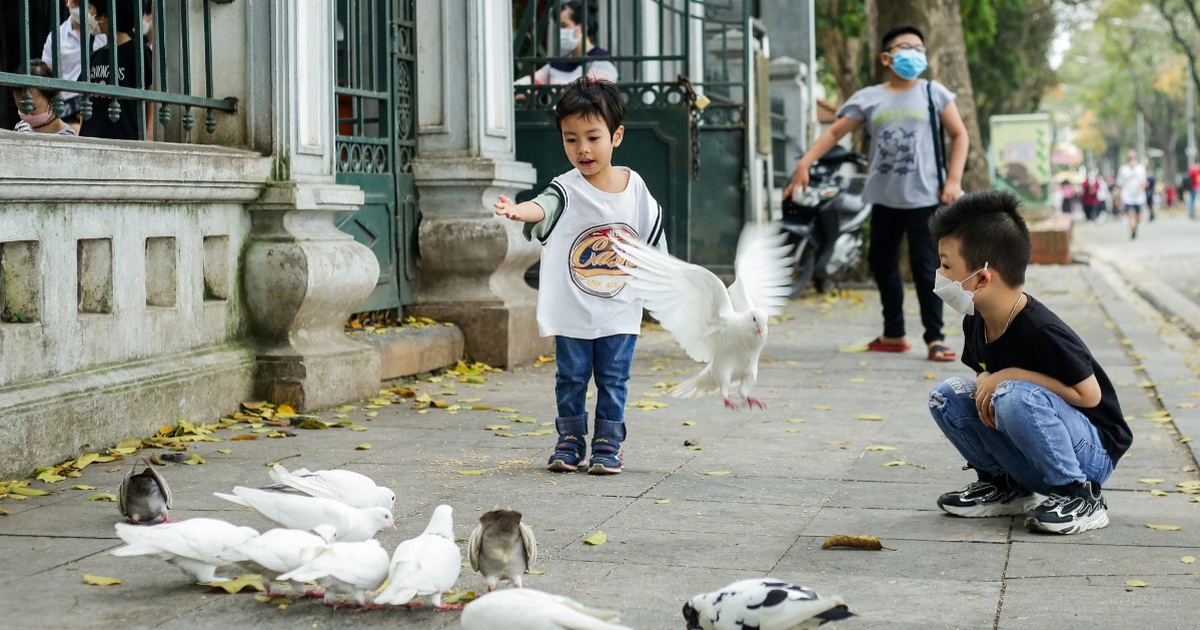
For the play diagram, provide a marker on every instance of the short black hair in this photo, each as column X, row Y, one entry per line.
column 591, row 98
column 897, row 31
column 37, row 68
column 128, row 13
column 989, row 229
column 593, row 16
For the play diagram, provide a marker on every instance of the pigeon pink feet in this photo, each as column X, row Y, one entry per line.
column 369, row 606
column 729, row 404
column 445, row 607
column 754, row 402
column 311, row 594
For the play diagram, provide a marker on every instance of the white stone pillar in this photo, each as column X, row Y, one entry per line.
column 302, row 276
column 472, row 263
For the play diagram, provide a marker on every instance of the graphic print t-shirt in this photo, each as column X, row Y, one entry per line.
column 581, row 292
column 903, row 172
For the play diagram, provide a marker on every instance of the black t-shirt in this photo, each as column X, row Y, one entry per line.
column 1038, row 341
column 125, row 128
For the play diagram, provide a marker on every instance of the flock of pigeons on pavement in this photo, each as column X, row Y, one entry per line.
column 329, row 518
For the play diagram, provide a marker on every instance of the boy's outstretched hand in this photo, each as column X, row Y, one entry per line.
column 507, row 208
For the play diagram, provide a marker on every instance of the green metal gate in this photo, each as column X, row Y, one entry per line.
column 694, row 162
column 377, row 138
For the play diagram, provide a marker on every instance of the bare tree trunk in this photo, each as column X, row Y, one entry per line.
column 842, row 53
column 941, row 22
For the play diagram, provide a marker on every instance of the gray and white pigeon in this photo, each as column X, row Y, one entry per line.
column 304, row 512
column 144, row 497
column 501, row 547
column 764, row 604
column 426, row 565
column 723, row 327
column 280, row 550
column 530, row 609
column 353, row 489
column 197, row 545
column 348, row 568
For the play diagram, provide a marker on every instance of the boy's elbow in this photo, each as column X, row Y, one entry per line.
column 1089, row 392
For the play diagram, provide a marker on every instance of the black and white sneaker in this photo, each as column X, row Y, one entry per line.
column 990, row 496
column 1070, row 509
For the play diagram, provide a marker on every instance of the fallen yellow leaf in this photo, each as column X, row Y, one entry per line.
column 1188, row 559
column 718, row 473
column 363, row 447
column 663, row 501
column 1158, row 493
column 1136, row 583
column 1150, row 480
column 880, row 447
column 239, row 584
column 868, row 416
column 103, row 496
column 27, row 492
column 80, row 486
column 822, row 407
column 100, row 580
column 689, row 423
column 285, row 409
column 470, row 472
column 1164, row 528
column 597, row 539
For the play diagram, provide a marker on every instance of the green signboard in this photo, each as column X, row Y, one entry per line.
column 1020, row 156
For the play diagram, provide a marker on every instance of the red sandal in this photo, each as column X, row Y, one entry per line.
column 878, row 345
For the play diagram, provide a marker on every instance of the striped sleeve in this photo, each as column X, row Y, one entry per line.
column 553, row 201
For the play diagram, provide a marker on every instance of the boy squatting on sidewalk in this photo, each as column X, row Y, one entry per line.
column 1040, row 416
column 580, row 299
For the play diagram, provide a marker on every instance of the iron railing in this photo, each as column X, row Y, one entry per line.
column 780, row 171
column 172, row 65
column 649, row 41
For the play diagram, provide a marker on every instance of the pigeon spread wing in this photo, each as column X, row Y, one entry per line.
column 763, row 268
column 353, row 489
column 686, row 299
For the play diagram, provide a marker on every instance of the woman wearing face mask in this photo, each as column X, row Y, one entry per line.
column 70, row 38
column 903, row 181
column 573, row 41
column 42, row 118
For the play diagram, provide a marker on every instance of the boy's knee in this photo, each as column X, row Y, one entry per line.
column 953, row 387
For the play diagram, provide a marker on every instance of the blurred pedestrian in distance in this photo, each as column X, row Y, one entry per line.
column 1067, row 190
column 1131, row 179
column 42, row 119
column 1151, row 181
column 1090, row 195
column 1194, row 179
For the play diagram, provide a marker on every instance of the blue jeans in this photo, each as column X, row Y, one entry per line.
column 1191, row 204
column 608, row 359
column 1039, row 439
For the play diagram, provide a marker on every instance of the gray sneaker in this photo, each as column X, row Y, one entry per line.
column 995, row 496
column 1070, row 509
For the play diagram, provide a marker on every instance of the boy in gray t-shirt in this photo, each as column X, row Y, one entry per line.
column 903, row 180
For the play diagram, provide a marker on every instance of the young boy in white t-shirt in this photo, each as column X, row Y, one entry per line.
column 581, row 297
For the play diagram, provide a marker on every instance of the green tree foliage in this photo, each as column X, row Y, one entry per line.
column 1008, row 42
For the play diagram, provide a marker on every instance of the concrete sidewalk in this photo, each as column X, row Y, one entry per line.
column 766, row 488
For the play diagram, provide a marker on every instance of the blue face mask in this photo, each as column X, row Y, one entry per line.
column 909, row 64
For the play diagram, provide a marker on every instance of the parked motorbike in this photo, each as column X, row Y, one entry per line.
column 825, row 222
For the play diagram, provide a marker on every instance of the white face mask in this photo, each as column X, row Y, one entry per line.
column 567, row 39
column 953, row 293
column 93, row 26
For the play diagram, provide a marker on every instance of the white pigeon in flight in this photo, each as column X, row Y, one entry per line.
column 763, row 603
column 353, row 489
column 196, row 545
column 301, row 512
column 529, row 609
column 426, row 565
column 723, row 327
column 350, row 568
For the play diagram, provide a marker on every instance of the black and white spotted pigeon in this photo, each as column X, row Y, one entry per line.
column 762, row 604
